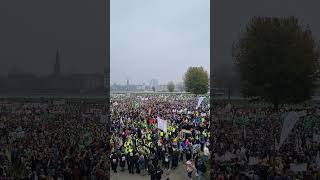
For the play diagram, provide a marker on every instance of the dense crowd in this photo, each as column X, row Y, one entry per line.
column 245, row 143
column 46, row 140
column 140, row 145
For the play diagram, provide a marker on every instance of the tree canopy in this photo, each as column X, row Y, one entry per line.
column 277, row 59
column 196, row 80
column 170, row 86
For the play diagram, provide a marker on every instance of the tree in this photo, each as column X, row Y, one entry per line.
column 196, row 80
column 277, row 59
column 153, row 89
column 170, row 86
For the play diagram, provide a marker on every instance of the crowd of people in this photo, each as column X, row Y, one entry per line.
column 246, row 144
column 153, row 134
column 53, row 140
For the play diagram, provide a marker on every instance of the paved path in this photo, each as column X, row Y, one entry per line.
column 177, row 174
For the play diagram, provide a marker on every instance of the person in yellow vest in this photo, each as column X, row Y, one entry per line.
column 161, row 133
column 205, row 135
column 203, row 120
column 197, row 137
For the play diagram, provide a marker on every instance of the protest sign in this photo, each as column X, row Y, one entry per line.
column 162, row 124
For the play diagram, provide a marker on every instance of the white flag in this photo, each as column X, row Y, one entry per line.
column 288, row 124
column 199, row 101
column 162, row 124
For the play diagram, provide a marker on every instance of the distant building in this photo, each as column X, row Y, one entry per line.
column 55, row 83
column 154, row 83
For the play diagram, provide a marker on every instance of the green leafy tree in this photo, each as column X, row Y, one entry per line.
column 277, row 59
column 170, row 86
column 196, row 80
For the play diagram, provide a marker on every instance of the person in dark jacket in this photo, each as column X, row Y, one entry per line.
column 122, row 161
column 131, row 162
column 202, row 170
column 136, row 161
column 156, row 173
column 114, row 162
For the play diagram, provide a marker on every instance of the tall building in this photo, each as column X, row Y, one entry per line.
column 57, row 69
column 154, row 83
column 127, row 84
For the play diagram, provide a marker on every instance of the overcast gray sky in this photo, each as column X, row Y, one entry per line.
column 32, row 30
column 158, row 39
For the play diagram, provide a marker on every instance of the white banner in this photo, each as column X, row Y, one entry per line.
column 288, row 124
column 253, row 161
column 226, row 157
column 199, row 101
column 162, row 124
column 316, row 138
column 20, row 134
column 298, row 167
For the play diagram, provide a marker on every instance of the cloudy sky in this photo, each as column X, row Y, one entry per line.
column 32, row 30
column 158, row 39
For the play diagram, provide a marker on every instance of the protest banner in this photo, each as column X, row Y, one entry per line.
column 162, row 124
column 253, row 161
column 298, row 167
column 20, row 134
column 316, row 138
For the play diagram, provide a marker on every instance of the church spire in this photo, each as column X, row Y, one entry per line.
column 57, row 63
